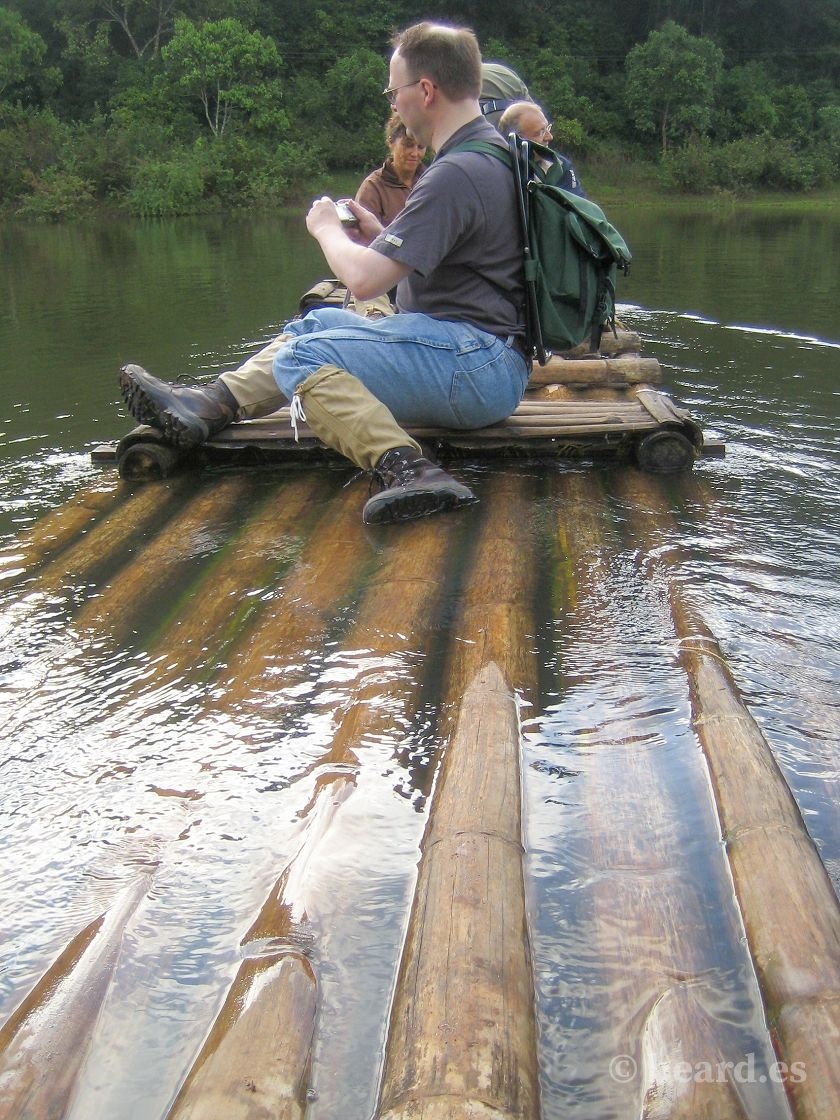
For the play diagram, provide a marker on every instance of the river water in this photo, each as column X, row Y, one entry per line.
column 124, row 763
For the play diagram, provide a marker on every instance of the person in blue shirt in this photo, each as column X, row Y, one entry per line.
column 527, row 119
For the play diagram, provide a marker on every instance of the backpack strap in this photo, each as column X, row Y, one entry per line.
column 495, row 104
column 486, row 146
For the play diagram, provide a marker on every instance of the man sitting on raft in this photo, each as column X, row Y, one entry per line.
column 454, row 355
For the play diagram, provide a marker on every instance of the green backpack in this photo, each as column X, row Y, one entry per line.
column 572, row 253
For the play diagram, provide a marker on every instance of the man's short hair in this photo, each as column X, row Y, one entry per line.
column 449, row 56
column 511, row 118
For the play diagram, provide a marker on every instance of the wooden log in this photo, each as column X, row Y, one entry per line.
column 254, row 559
column 58, row 529
column 462, row 1040
column 44, row 1042
column 579, row 394
column 134, row 589
column 623, row 341
column 255, row 1062
column 93, row 553
column 790, row 911
column 650, row 924
column 627, row 369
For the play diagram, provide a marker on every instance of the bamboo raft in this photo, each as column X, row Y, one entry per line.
column 578, row 405
column 461, row 1038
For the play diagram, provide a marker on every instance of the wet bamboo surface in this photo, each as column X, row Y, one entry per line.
column 136, row 587
column 462, row 1040
column 59, row 527
column 43, row 1044
column 246, row 587
column 650, row 919
column 790, row 911
column 256, row 1058
column 68, row 552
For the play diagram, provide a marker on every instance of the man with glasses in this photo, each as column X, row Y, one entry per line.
column 454, row 355
column 528, row 120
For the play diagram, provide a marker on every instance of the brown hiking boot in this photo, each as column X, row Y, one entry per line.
column 412, row 487
column 187, row 416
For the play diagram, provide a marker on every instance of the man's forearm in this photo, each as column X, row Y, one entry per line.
column 364, row 271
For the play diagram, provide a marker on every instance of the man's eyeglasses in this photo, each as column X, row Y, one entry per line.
column 545, row 130
column 391, row 92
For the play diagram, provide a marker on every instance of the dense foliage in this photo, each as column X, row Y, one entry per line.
column 176, row 106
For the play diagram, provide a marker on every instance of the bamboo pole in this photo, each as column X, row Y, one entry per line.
column 627, row 369
column 44, row 1042
column 255, row 1064
column 134, row 590
column 789, row 908
column 58, row 528
column 255, row 1061
column 650, row 922
column 278, row 648
column 92, row 553
column 462, row 1038
column 224, row 598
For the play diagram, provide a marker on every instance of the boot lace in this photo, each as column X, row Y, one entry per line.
column 296, row 415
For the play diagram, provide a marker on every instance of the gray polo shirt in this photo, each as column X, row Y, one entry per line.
column 460, row 234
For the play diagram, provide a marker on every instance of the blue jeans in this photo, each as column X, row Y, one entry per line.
column 424, row 370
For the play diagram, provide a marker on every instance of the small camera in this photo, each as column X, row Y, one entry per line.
column 345, row 214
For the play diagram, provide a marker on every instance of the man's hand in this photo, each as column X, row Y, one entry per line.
column 369, row 225
column 365, row 272
column 323, row 216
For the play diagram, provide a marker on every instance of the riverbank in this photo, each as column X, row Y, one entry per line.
column 615, row 180
column 609, row 179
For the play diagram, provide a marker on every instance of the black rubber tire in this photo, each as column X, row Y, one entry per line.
column 146, row 461
column 665, row 451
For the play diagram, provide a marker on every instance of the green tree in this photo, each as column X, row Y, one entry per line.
column 552, row 85
column 796, row 112
column 671, row 82
column 21, row 51
column 342, row 112
column 745, row 103
column 227, row 68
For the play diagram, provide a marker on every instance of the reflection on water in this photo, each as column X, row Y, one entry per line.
column 225, row 676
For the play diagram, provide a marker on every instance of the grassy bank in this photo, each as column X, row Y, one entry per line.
column 614, row 180
column 611, row 180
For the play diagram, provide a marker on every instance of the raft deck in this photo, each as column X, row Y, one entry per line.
column 575, row 407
